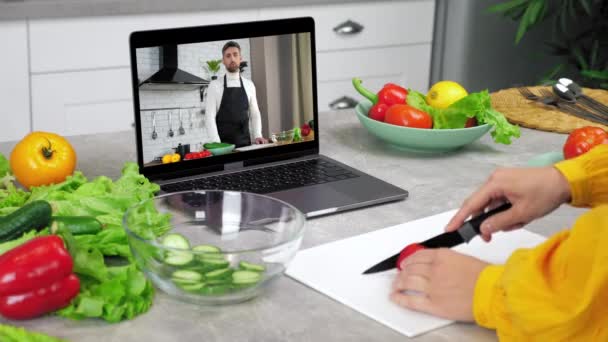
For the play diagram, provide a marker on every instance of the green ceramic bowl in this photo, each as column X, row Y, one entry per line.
column 221, row 150
column 417, row 139
column 546, row 159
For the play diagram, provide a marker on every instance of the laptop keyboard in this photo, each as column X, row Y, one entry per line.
column 269, row 179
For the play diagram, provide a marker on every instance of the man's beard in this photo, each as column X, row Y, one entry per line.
column 233, row 68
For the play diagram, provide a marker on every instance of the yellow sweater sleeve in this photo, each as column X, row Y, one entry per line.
column 557, row 291
column 588, row 177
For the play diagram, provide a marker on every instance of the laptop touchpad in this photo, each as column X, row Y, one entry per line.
column 314, row 198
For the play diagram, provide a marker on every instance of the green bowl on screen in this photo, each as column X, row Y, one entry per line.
column 417, row 139
column 218, row 151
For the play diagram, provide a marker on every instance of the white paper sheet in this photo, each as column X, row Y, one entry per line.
column 335, row 268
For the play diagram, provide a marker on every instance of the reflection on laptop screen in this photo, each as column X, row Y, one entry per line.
column 200, row 100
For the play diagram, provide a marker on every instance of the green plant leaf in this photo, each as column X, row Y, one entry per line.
column 554, row 72
column 507, row 6
column 596, row 74
column 530, row 17
column 571, row 9
column 563, row 18
column 594, row 52
column 579, row 58
column 557, row 49
column 604, row 85
column 586, row 6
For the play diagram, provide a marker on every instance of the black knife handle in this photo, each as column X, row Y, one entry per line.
column 476, row 221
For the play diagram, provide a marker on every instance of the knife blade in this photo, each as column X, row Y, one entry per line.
column 465, row 233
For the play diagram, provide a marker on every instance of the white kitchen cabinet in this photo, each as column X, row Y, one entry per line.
column 375, row 67
column 413, row 60
column 14, row 81
column 74, row 103
column 378, row 42
column 382, row 23
column 103, row 42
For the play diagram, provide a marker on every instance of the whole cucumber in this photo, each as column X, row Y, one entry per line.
column 77, row 225
column 34, row 215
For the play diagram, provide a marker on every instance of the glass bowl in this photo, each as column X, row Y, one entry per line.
column 213, row 247
column 282, row 138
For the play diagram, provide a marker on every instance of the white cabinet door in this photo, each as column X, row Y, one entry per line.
column 14, row 81
column 83, row 102
column 381, row 23
column 413, row 60
column 406, row 65
column 103, row 42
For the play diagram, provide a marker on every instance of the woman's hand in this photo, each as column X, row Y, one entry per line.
column 533, row 193
column 261, row 140
column 444, row 281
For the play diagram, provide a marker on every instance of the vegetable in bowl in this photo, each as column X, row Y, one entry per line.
column 447, row 106
column 475, row 105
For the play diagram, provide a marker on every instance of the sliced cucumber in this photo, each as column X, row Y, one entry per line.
column 175, row 240
column 210, row 257
column 182, row 282
column 211, row 265
column 225, row 281
column 206, row 270
column 187, row 276
column 215, row 289
column 248, row 266
column 207, row 249
column 245, row 277
column 192, row 287
column 222, row 273
column 177, row 258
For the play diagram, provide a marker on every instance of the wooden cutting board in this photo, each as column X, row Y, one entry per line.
column 527, row 113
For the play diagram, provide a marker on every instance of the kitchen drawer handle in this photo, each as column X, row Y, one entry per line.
column 344, row 102
column 348, row 28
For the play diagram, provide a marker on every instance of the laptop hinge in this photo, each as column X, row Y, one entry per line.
column 233, row 166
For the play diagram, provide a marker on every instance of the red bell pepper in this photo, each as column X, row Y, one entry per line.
column 36, row 278
column 42, row 300
column 390, row 94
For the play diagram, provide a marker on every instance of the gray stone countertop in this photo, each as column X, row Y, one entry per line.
column 21, row 9
column 290, row 311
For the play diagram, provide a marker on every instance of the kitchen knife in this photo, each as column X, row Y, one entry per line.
column 465, row 233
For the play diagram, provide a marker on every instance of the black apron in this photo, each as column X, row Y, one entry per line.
column 232, row 118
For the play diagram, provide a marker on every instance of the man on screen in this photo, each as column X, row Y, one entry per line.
column 232, row 111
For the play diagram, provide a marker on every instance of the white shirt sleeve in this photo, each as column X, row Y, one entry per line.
column 255, row 118
column 213, row 99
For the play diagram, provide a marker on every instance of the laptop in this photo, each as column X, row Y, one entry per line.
column 260, row 122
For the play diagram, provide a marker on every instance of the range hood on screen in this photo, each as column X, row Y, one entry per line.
column 170, row 77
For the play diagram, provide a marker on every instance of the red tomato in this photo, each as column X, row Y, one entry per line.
column 471, row 122
column 305, row 130
column 407, row 251
column 404, row 115
column 583, row 139
column 378, row 111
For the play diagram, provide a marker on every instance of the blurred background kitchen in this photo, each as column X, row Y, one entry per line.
column 65, row 64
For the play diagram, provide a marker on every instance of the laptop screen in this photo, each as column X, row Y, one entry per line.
column 204, row 101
